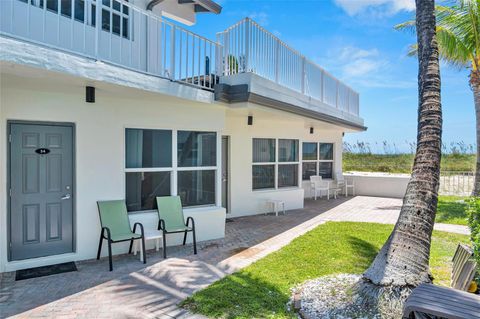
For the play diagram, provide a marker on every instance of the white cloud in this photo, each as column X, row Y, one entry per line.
column 384, row 7
column 364, row 67
column 260, row 17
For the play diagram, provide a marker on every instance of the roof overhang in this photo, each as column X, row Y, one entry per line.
column 240, row 93
column 199, row 5
column 204, row 5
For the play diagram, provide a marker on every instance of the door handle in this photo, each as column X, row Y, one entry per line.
column 66, row 196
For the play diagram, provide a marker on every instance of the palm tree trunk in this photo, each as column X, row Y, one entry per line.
column 404, row 259
column 475, row 85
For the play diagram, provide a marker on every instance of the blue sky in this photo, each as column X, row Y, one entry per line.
column 355, row 41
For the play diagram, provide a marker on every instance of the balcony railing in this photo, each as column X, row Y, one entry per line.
column 116, row 32
column 247, row 47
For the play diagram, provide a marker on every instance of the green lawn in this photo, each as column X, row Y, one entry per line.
column 451, row 210
column 402, row 163
column 263, row 289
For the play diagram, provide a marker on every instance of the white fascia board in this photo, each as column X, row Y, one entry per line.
column 267, row 88
column 23, row 53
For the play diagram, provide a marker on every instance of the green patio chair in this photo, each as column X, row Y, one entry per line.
column 116, row 225
column 172, row 221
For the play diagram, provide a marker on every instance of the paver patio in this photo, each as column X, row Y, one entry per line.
column 133, row 290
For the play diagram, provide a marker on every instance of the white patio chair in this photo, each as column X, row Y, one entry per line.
column 318, row 186
column 344, row 183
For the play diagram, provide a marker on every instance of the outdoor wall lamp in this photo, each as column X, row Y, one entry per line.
column 90, row 94
column 250, row 120
column 311, row 130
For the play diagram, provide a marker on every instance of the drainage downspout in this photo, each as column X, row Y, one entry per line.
column 153, row 3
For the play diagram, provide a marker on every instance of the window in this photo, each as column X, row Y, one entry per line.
column 288, row 175
column 142, row 188
column 317, row 159
column 148, row 160
column 275, row 163
column 85, row 10
column 263, row 176
column 150, row 170
column 309, row 151
column 115, row 17
column 197, row 187
column 287, row 153
column 263, row 173
column 263, row 150
column 148, row 148
column 197, row 161
column 197, row 149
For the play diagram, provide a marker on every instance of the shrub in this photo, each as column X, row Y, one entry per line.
column 473, row 211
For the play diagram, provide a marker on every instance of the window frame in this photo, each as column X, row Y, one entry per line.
column 277, row 163
column 318, row 160
column 174, row 169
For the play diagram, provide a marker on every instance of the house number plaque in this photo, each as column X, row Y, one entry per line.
column 42, row 151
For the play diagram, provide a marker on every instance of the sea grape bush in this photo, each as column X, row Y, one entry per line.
column 387, row 148
column 473, row 211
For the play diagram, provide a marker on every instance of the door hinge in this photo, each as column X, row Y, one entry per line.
column 10, row 192
column 10, row 138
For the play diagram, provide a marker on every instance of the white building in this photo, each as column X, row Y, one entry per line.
column 137, row 106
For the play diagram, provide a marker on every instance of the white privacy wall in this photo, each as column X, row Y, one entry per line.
column 379, row 184
column 269, row 124
column 99, row 146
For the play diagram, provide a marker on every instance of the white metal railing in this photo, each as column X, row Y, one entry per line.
column 456, row 183
column 127, row 36
column 247, row 47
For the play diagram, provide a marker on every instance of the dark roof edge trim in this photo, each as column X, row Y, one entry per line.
column 210, row 5
column 239, row 93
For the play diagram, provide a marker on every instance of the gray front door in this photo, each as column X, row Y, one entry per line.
column 41, row 190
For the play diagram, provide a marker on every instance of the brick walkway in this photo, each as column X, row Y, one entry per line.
column 133, row 290
column 379, row 210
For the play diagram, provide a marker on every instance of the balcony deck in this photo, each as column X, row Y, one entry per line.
column 249, row 48
column 138, row 40
column 128, row 37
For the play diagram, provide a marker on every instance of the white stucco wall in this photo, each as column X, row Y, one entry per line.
column 99, row 146
column 38, row 95
column 379, row 184
column 269, row 124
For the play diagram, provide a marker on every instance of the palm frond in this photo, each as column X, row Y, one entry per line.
column 452, row 49
column 409, row 26
column 412, row 50
column 458, row 32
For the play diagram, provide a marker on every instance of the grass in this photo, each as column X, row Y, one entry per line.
column 451, row 210
column 402, row 163
column 263, row 289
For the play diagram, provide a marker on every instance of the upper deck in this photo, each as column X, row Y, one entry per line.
column 119, row 33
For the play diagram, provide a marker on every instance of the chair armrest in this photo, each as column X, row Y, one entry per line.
column 188, row 221
column 109, row 236
column 161, row 225
column 141, row 228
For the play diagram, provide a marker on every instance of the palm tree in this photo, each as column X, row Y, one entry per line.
column 458, row 34
column 403, row 261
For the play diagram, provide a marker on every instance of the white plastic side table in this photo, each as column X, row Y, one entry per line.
column 276, row 203
column 149, row 235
